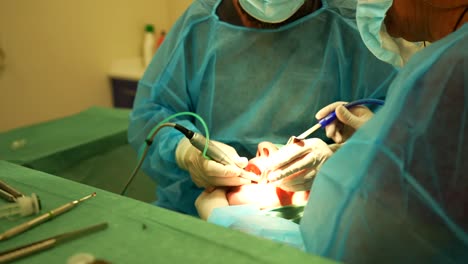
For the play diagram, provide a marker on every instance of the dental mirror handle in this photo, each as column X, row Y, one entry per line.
column 332, row 116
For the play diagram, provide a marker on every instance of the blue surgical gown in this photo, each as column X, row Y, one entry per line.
column 397, row 192
column 249, row 85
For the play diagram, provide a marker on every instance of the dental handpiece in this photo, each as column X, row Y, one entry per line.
column 213, row 152
column 199, row 141
column 332, row 116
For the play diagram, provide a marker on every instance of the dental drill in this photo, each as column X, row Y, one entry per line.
column 199, row 142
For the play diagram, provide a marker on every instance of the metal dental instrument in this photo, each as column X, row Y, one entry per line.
column 41, row 245
column 332, row 116
column 9, row 193
column 199, row 141
column 42, row 218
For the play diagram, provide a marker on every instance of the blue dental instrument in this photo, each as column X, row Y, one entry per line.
column 332, row 116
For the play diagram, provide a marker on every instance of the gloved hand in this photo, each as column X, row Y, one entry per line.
column 208, row 173
column 294, row 166
column 347, row 122
column 207, row 201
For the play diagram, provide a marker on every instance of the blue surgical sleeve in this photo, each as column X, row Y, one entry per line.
column 159, row 83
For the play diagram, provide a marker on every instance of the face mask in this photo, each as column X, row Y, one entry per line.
column 370, row 15
column 271, row 11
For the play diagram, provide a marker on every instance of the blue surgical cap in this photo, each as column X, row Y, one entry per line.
column 370, row 15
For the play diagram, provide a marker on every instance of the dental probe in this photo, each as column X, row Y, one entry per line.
column 199, row 141
column 332, row 116
column 42, row 218
column 41, row 245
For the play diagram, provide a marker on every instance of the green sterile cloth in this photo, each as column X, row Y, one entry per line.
column 138, row 232
column 110, row 171
column 90, row 147
column 54, row 145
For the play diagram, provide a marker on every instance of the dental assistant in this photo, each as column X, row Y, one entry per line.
column 396, row 191
column 255, row 71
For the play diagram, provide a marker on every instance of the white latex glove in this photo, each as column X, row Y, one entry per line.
column 294, row 166
column 207, row 201
column 347, row 122
column 208, row 173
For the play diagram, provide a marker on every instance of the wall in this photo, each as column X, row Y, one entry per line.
column 57, row 53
